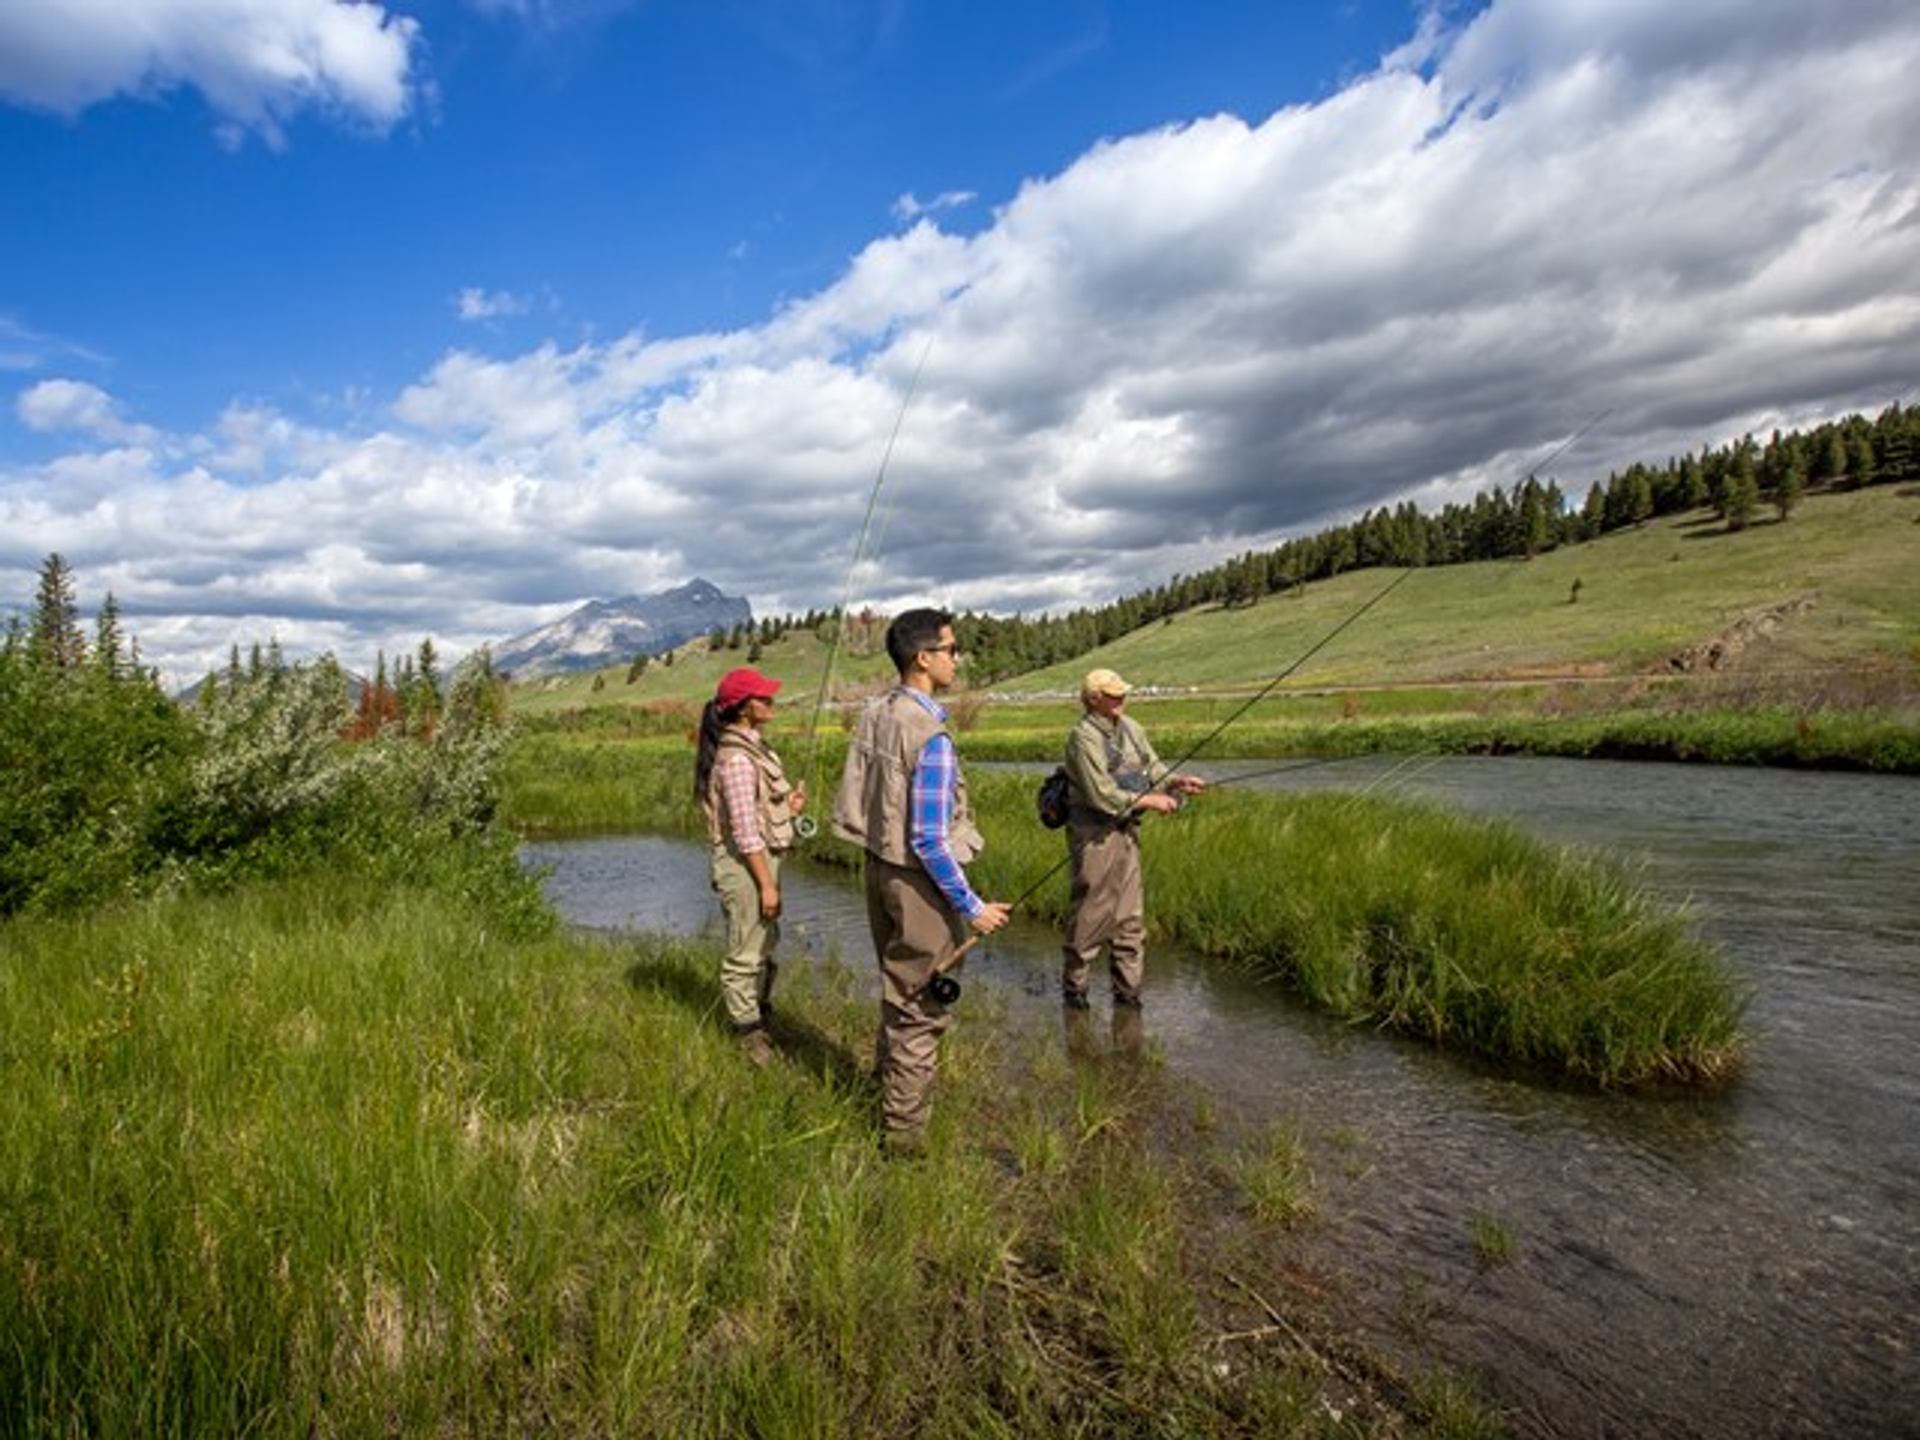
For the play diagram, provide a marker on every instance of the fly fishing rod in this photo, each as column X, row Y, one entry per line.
column 804, row 826
column 943, row 987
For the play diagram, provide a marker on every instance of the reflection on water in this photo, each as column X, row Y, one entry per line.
column 1743, row 1264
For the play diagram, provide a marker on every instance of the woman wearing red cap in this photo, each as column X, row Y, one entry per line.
column 749, row 806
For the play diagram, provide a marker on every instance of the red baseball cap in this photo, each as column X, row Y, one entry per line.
column 744, row 684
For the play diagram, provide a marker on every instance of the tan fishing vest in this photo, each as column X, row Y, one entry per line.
column 771, row 791
column 875, row 805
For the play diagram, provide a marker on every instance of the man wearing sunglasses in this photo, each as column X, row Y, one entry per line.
column 904, row 800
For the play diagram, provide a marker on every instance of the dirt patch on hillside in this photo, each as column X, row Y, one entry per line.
column 1720, row 651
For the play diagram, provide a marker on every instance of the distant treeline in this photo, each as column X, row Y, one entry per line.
column 1736, row 481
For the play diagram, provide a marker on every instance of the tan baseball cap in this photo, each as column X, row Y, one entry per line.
column 1103, row 682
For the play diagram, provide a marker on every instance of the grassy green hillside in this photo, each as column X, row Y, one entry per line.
column 1820, row 617
column 1645, row 595
column 796, row 659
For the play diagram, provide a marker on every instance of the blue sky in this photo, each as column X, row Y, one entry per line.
column 351, row 323
column 677, row 167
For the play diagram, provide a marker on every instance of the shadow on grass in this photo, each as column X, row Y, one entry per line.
column 1723, row 531
column 800, row 1041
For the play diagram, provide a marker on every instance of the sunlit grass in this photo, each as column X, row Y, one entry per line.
column 319, row 1159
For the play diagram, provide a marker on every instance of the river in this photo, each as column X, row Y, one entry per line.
column 1741, row 1264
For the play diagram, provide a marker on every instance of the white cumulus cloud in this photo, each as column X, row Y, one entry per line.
column 1188, row 342
column 473, row 303
column 909, row 208
column 75, row 406
column 257, row 62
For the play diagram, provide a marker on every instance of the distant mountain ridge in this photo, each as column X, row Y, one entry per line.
column 606, row 632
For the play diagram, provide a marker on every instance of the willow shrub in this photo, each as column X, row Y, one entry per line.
column 115, row 792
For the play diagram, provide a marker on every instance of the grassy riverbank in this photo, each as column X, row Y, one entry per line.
column 1465, row 933
column 317, row 1157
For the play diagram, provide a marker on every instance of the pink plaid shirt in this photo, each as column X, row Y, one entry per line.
column 740, row 793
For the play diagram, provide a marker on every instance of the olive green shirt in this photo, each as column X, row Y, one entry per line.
column 1109, row 766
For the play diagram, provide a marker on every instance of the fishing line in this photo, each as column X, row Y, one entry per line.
column 941, row 984
column 1268, row 688
column 1226, row 780
column 804, row 826
column 1558, row 450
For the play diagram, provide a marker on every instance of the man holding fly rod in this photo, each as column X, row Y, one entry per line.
column 1114, row 777
column 904, row 800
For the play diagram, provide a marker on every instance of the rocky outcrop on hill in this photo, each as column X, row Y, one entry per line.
column 1721, row 650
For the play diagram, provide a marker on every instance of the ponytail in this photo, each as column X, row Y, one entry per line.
column 713, row 720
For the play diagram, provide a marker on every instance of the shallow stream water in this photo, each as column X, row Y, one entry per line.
column 1741, row 1264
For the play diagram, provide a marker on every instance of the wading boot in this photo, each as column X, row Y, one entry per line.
column 904, row 1144
column 755, row 1045
column 1075, row 1000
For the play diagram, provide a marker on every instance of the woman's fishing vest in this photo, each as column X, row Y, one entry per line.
column 771, row 792
column 874, row 806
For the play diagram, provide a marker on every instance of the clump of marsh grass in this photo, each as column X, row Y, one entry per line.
column 1463, row 932
column 1276, row 1178
column 1492, row 1240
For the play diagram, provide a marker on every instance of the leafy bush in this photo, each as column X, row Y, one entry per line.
column 116, row 791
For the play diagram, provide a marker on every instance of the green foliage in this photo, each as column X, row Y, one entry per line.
column 94, row 763
column 331, row 1158
column 120, row 792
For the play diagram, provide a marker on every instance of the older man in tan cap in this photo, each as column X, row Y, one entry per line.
column 1114, row 777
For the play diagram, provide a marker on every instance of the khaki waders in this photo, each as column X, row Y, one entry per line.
column 1109, row 906
column 747, row 972
column 913, row 930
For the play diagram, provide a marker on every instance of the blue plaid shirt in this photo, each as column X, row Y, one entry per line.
column 931, row 817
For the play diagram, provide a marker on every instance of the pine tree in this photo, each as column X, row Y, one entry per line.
column 1639, row 496
column 54, row 639
column 107, row 641
column 1793, row 484
column 1742, row 497
column 1860, row 466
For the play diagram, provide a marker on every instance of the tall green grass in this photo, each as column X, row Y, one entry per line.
column 318, row 1158
column 1463, row 932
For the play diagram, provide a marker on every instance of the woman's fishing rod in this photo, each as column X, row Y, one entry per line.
column 804, row 826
